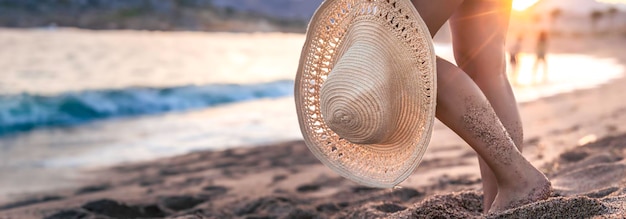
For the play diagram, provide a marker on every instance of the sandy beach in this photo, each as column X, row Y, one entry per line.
column 578, row 139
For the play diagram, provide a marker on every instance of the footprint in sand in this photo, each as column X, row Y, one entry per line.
column 589, row 179
column 30, row 201
column 68, row 214
column 212, row 191
column 278, row 178
column 179, row 203
column 363, row 189
column 586, row 161
column 403, row 194
column 573, row 156
column 308, row 188
column 390, row 208
column 602, row 192
column 92, row 189
column 327, row 207
column 112, row 208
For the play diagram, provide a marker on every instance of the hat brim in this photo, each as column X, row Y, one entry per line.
column 384, row 164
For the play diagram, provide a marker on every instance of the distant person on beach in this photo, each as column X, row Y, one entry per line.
column 514, row 52
column 541, row 49
column 476, row 100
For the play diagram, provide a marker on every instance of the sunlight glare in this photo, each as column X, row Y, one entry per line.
column 520, row 5
column 613, row 1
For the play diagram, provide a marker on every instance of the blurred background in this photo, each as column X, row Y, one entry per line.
column 90, row 83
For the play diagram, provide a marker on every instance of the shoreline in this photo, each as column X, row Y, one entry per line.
column 283, row 179
column 50, row 156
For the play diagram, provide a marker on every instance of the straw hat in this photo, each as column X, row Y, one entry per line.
column 365, row 89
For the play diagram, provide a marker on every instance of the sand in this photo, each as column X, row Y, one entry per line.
column 578, row 139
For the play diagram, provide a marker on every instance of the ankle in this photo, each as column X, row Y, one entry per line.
column 523, row 179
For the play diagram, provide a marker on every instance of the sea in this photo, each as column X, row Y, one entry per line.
column 73, row 100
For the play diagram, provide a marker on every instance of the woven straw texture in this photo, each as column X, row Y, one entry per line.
column 371, row 119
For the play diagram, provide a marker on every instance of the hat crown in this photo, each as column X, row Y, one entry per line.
column 356, row 100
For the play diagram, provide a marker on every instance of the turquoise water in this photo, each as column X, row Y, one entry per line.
column 25, row 112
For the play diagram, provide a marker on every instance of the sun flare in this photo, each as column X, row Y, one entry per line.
column 520, row 5
column 613, row 1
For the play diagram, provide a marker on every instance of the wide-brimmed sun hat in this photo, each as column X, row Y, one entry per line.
column 365, row 90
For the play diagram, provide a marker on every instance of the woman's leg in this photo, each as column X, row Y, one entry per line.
column 436, row 13
column 459, row 105
column 479, row 31
column 462, row 106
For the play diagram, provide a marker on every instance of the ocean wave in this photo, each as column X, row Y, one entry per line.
column 24, row 112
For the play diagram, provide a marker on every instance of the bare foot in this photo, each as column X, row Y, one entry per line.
column 522, row 192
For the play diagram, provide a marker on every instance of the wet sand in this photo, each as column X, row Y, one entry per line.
column 285, row 181
column 578, row 139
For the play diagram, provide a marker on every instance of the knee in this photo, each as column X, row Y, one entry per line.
column 448, row 73
column 487, row 62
